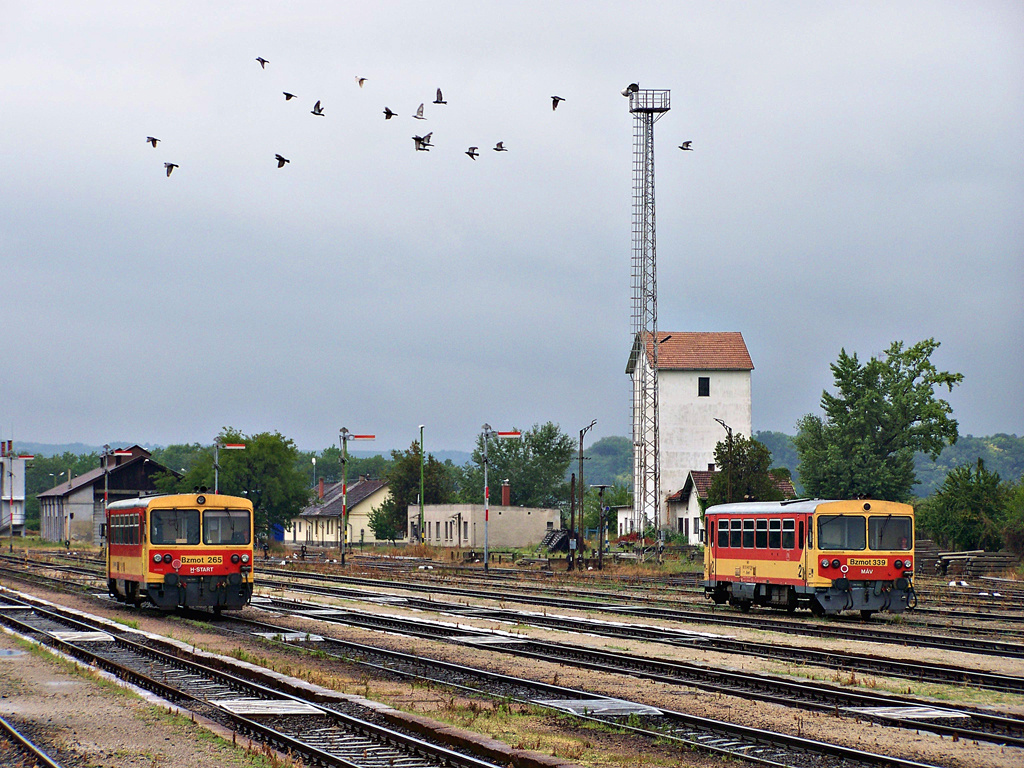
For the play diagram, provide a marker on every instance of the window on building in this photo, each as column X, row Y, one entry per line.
column 703, row 386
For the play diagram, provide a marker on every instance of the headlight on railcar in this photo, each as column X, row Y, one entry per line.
column 907, row 563
column 835, row 563
column 235, row 558
column 245, row 558
column 824, row 562
column 168, row 558
column 157, row 558
column 898, row 564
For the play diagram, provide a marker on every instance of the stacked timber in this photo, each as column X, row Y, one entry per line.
column 975, row 562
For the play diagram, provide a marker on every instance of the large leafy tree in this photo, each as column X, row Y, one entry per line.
column 535, row 467
column 744, row 472
column 969, row 511
column 266, row 472
column 883, row 411
column 388, row 521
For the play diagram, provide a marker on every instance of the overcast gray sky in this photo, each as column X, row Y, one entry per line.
column 858, row 178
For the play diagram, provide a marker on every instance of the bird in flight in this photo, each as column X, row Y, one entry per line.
column 419, row 113
column 288, row 96
column 500, row 147
column 170, row 167
column 360, row 80
column 263, row 62
column 388, row 114
column 554, row 102
column 472, row 152
column 317, row 110
column 422, row 143
column 281, row 161
column 152, row 140
column 685, row 146
column 440, row 98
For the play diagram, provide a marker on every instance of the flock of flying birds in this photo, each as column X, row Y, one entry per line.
column 421, row 143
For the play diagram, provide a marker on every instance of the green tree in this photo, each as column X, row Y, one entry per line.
column 610, row 461
column 266, row 472
column 1013, row 525
column 884, row 411
column 535, row 466
column 744, row 472
column 389, row 520
column 386, row 522
column 969, row 510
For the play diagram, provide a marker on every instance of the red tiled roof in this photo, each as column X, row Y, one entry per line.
column 701, row 480
column 698, row 351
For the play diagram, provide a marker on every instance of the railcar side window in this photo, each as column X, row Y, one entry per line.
column 890, row 532
column 841, row 532
column 723, row 533
column 788, row 534
column 761, row 542
column 174, row 526
column 748, row 534
column 734, row 533
column 774, row 534
column 226, row 526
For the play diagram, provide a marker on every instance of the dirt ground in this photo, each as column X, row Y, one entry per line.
column 545, row 733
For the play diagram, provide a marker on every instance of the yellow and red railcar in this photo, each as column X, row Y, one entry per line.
column 828, row 556
column 183, row 550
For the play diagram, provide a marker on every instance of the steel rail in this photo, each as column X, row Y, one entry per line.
column 36, row 753
column 385, row 738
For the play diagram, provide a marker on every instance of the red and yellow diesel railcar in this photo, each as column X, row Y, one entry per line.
column 184, row 550
column 828, row 556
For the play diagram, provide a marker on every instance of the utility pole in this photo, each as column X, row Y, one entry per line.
column 579, row 480
column 600, row 525
column 728, row 474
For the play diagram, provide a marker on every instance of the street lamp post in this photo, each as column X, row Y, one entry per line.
column 345, row 436
column 728, row 474
column 422, row 454
column 487, row 491
column 217, row 445
column 314, row 473
column 574, row 541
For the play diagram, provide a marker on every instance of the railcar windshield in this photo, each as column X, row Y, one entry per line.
column 890, row 532
column 174, row 526
column 841, row 532
column 226, row 526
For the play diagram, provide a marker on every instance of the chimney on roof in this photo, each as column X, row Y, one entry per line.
column 320, row 489
column 506, row 494
column 711, row 467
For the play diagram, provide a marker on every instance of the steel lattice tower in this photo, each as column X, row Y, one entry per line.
column 646, row 107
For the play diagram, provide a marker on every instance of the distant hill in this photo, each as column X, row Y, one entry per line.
column 1001, row 453
column 78, row 449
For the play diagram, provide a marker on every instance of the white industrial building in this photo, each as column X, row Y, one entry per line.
column 703, row 383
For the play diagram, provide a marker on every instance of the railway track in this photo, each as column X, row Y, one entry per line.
column 904, row 712
column 212, row 691
column 333, row 733
column 870, row 664
column 16, row 749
